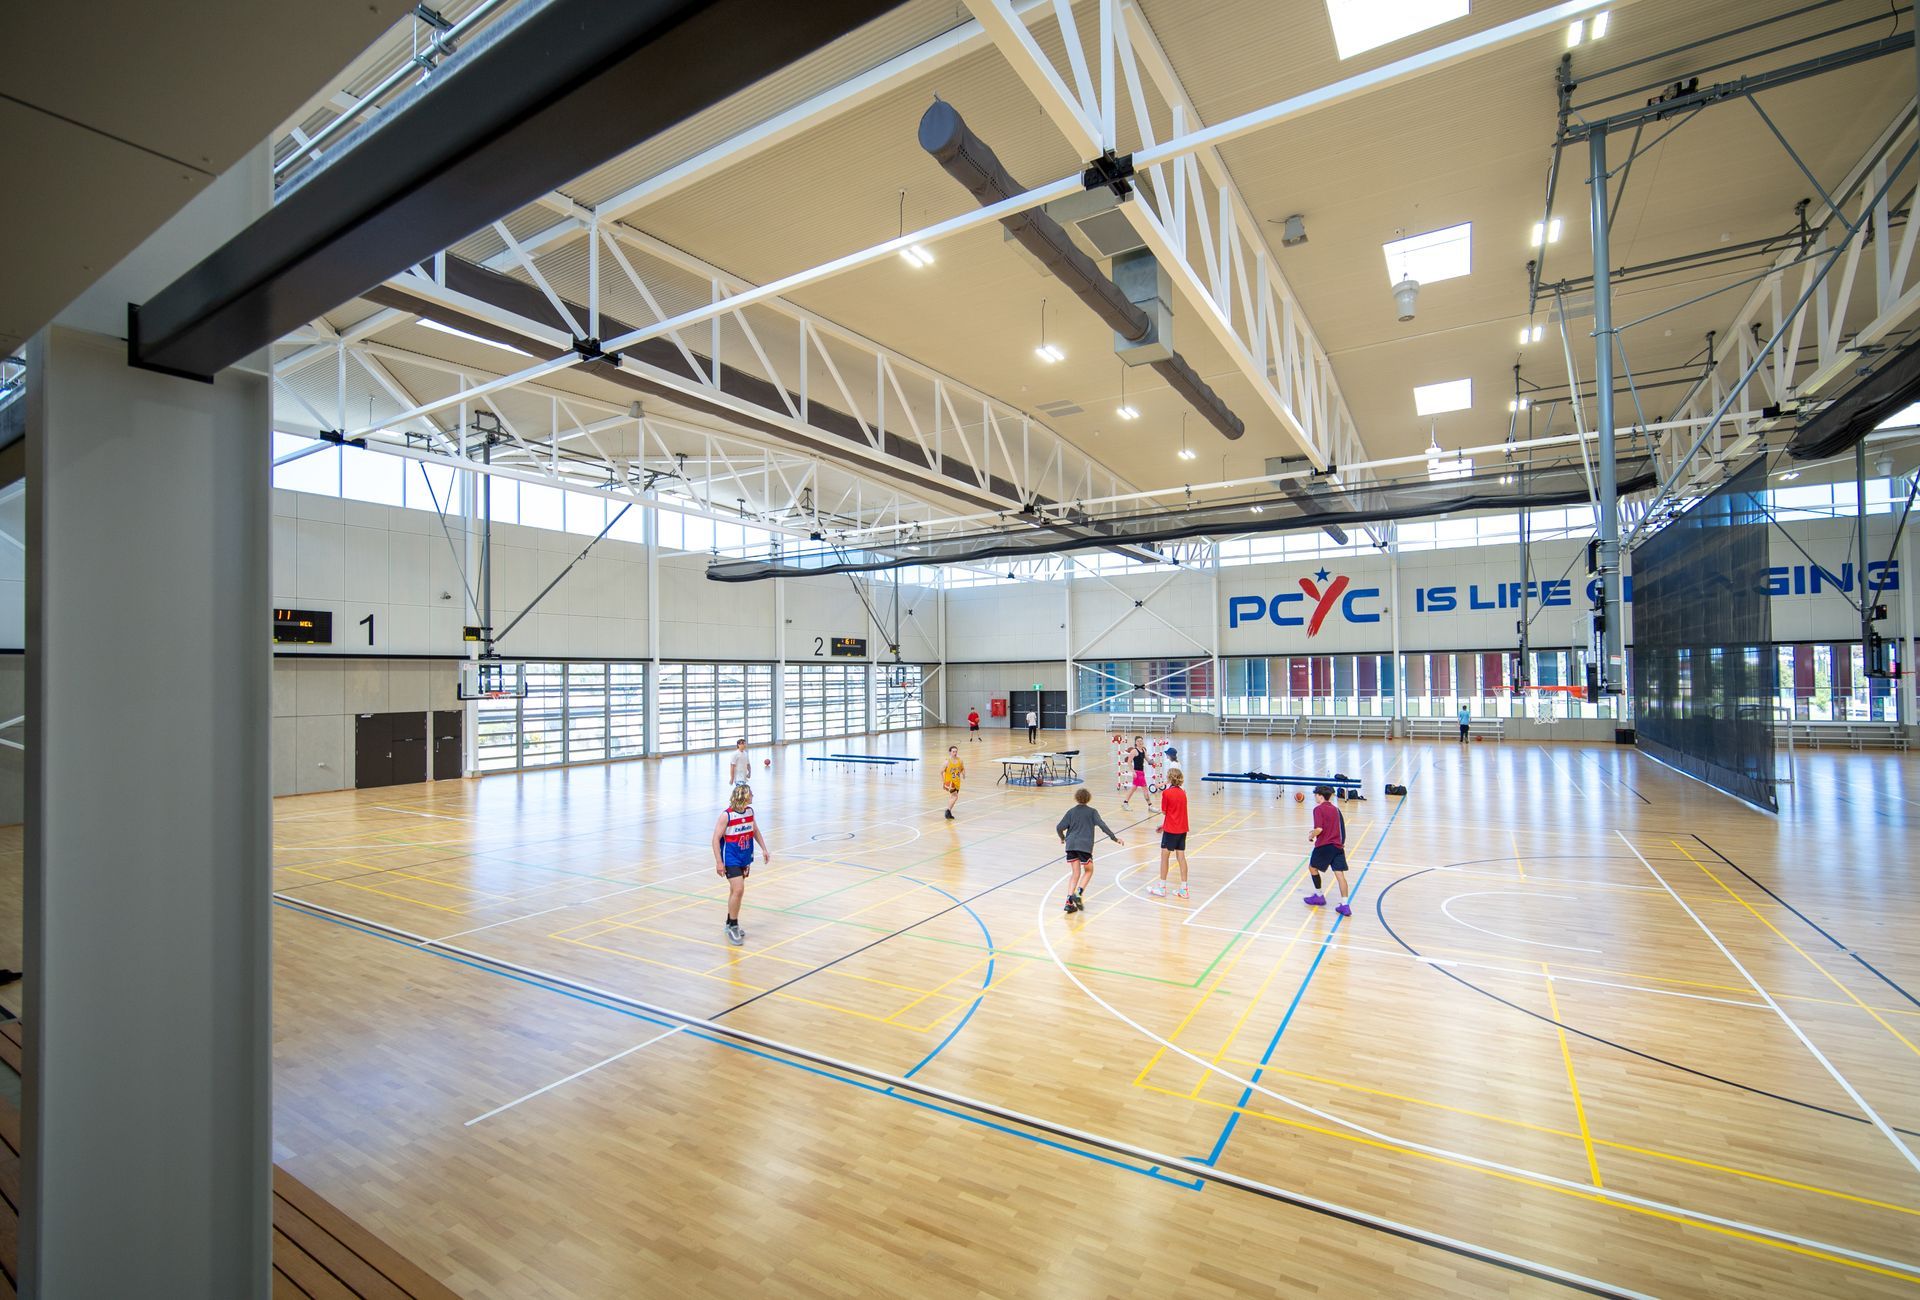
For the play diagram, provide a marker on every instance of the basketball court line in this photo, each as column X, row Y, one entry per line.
column 1809, row 920
column 728, row 1035
column 1380, row 911
column 1627, row 1200
column 1853, row 997
column 1846, row 1085
column 1214, row 897
column 617, row 1056
column 1446, row 907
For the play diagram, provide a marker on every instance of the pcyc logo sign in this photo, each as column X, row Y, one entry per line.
column 1326, row 593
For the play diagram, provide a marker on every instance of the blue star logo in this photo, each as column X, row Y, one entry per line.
column 1321, row 576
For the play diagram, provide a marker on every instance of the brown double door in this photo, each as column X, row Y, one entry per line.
column 389, row 749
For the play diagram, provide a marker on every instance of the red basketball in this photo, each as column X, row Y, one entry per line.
column 769, row 763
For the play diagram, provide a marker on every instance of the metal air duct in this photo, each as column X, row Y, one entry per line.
column 966, row 158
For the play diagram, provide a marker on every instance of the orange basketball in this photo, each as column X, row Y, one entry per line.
column 1299, row 796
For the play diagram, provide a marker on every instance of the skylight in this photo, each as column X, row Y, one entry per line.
column 1362, row 25
column 471, row 338
column 1438, row 399
column 1436, row 255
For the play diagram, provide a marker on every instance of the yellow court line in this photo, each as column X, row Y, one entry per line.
column 1518, row 861
column 1259, row 993
column 1734, row 1170
column 1577, row 1194
column 962, row 1000
column 1854, row 997
column 1218, row 980
column 1579, row 1109
column 385, row 893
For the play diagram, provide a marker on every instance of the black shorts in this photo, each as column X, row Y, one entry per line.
column 973, row 726
column 1328, row 857
column 738, row 872
column 1075, row 855
column 1174, row 840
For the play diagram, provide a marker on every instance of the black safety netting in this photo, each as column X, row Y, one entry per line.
column 1301, row 505
column 1705, row 672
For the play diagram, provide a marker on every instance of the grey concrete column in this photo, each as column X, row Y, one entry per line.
column 146, row 1102
column 148, row 847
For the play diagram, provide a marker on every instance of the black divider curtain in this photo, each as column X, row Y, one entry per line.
column 1325, row 505
column 1704, row 665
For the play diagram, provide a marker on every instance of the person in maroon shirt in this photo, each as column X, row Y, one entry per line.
column 1173, row 834
column 1329, row 849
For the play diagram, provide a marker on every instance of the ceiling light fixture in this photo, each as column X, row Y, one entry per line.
column 1519, row 404
column 1259, row 510
column 1293, row 231
column 1433, row 442
column 1532, row 334
column 1790, row 475
column 1186, row 452
column 472, row 338
column 1544, row 233
column 1047, row 352
column 1125, row 412
column 1590, row 29
column 913, row 254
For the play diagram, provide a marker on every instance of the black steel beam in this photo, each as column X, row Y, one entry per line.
column 555, row 91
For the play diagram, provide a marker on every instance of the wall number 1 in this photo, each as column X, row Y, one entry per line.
column 368, row 620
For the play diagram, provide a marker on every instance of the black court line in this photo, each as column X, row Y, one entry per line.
column 1616, row 780
column 1379, row 907
column 1809, row 920
column 934, row 916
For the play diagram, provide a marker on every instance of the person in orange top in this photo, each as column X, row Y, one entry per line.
column 1173, row 833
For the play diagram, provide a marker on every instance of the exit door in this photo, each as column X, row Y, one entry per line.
column 389, row 749
column 449, row 744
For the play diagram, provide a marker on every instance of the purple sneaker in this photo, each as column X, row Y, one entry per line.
column 1344, row 910
column 1315, row 900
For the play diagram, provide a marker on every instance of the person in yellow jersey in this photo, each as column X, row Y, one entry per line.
column 951, row 776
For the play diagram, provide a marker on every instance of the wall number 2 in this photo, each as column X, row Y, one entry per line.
column 368, row 620
column 819, row 644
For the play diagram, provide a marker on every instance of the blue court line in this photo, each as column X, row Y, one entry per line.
column 732, row 1046
column 987, row 983
column 884, row 758
column 1226, row 1131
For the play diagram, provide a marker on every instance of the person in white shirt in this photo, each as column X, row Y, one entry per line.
column 1033, row 726
column 741, row 769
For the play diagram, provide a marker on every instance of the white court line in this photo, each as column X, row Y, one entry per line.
column 1447, row 907
column 1798, row 1032
column 1224, row 888
column 1191, row 1168
column 665, row 1033
column 408, row 812
column 1584, row 1189
column 1418, row 957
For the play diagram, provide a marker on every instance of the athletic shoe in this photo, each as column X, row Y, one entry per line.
column 1073, row 903
column 1315, row 900
column 949, row 814
column 735, row 935
column 1157, row 890
column 1181, row 892
column 1344, row 910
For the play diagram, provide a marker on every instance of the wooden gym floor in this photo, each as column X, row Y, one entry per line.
column 1587, row 1015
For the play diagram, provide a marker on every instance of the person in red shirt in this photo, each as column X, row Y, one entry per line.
column 1329, row 839
column 973, row 724
column 1173, row 834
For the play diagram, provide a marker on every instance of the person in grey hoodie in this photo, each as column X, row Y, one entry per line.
column 1076, row 830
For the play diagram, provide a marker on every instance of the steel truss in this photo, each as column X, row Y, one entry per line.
column 1245, row 303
